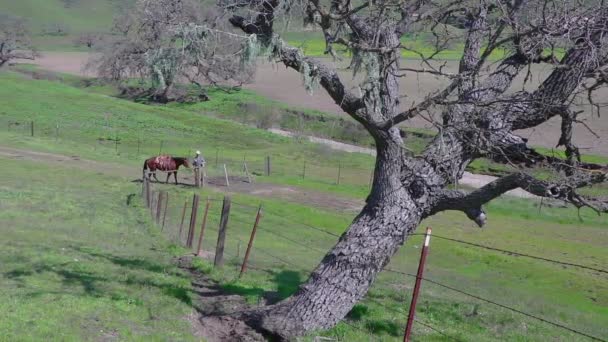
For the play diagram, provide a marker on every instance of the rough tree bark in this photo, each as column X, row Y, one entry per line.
column 478, row 120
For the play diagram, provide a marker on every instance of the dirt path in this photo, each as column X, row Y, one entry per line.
column 468, row 179
column 186, row 179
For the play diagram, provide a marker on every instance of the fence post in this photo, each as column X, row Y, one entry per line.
column 199, row 248
column 197, row 177
column 304, row 171
column 181, row 225
column 165, row 211
column 147, row 192
column 193, row 215
column 267, row 165
column 32, row 127
column 226, row 175
column 412, row 313
column 221, row 235
column 255, row 228
column 159, row 206
column 339, row 171
column 152, row 200
column 247, row 172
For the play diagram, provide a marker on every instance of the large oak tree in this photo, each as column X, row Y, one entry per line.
column 476, row 113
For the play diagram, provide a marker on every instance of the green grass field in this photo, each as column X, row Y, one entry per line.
column 79, row 263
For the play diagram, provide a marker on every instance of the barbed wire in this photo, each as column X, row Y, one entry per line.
column 559, row 325
column 521, row 254
column 290, row 220
column 529, row 315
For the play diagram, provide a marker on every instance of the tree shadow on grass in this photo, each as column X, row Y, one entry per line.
column 361, row 313
column 96, row 284
column 287, row 283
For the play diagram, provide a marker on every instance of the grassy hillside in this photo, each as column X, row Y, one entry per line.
column 74, row 249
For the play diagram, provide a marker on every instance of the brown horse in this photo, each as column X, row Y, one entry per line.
column 164, row 163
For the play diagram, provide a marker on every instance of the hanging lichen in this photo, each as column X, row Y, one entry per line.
column 370, row 85
column 309, row 77
column 251, row 51
column 163, row 64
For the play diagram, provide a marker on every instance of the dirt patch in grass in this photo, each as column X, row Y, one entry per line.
column 213, row 320
column 237, row 184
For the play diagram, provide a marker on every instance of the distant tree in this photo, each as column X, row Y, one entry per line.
column 164, row 42
column 15, row 42
column 477, row 112
column 55, row 29
column 89, row 39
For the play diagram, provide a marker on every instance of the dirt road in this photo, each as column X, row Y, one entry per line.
column 285, row 85
column 237, row 185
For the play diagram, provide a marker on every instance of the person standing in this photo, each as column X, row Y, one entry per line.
column 199, row 163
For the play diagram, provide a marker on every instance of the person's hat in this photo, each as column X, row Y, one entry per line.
column 198, row 152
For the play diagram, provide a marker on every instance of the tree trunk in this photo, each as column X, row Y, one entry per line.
column 346, row 273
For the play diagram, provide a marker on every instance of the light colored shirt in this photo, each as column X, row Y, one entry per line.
column 199, row 161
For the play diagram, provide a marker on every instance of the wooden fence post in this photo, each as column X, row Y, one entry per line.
column 221, row 235
column 247, row 172
column 339, row 171
column 255, row 228
column 304, row 170
column 32, row 127
column 159, row 206
column 267, row 165
column 181, row 225
column 226, row 175
column 199, row 248
column 197, row 177
column 165, row 211
column 148, row 199
column 193, row 215
column 412, row 313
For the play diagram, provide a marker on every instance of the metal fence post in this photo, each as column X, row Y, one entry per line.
column 255, row 228
column 199, row 248
column 221, row 235
column 412, row 313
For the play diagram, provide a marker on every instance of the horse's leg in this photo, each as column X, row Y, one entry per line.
column 175, row 175
column 154, row 174
column 168, row 175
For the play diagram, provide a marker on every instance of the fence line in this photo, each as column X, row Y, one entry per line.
column 121, row 140
column 564, row 263
column 157, row 203
column 578, row 332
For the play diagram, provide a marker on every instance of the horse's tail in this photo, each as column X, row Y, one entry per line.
column 143, row 171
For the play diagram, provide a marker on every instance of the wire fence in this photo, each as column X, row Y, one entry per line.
column 283, row 244
column 237, row 164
